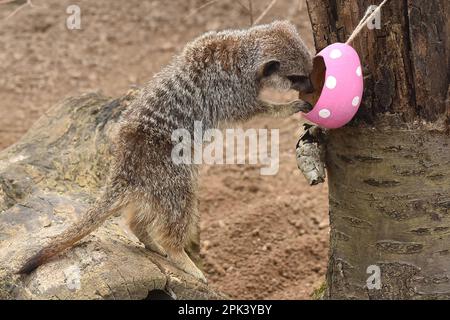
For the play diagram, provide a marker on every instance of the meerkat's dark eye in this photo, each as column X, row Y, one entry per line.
column 270, row 68
column 301, row 83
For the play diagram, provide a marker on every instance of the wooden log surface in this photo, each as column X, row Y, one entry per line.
column 47, row 180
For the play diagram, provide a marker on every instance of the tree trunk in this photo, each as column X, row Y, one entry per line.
column 47, row 180
column 389, row 169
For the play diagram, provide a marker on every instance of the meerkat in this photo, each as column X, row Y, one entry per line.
column 216, row 78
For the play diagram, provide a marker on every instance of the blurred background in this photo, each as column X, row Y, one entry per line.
column 261, row 236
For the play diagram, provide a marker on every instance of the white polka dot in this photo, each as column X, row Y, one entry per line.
column 331, row 82
column 358, row 71
column 324, row 113
column 355, row 101
column 335, row 53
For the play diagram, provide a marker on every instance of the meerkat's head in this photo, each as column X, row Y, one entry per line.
column 284, row 61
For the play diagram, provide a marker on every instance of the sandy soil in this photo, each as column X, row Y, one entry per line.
column 262, row 236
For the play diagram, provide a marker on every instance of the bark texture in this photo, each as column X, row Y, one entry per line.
column 389, row 207
column 389, row 169
column 47, row 180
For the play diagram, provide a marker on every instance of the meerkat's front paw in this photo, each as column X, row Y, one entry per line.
column 300, row 105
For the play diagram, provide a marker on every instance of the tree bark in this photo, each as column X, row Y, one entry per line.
column 47, row 180
column 389, row 169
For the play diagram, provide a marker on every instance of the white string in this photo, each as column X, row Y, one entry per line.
column 363, row 21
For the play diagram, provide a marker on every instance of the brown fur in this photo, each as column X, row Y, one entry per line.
column 217, row 78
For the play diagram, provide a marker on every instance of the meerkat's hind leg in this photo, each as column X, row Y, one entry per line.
column 175, row 215
column 161, row 233
column 140, row 226
column 175, row 229
column 174, row 243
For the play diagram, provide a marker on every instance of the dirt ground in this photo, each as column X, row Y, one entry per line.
column 262, row 237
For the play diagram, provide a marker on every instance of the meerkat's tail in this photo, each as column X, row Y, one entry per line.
column 90, row 221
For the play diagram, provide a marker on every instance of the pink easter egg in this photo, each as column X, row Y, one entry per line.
column 342, row 91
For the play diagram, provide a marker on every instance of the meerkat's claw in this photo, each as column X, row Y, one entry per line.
column 200, row 276
column 183, row 262
column 156, row 248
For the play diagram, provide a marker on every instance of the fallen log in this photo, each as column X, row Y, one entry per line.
column 47, row 180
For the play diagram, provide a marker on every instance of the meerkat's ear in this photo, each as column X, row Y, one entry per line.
column 269, row 67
